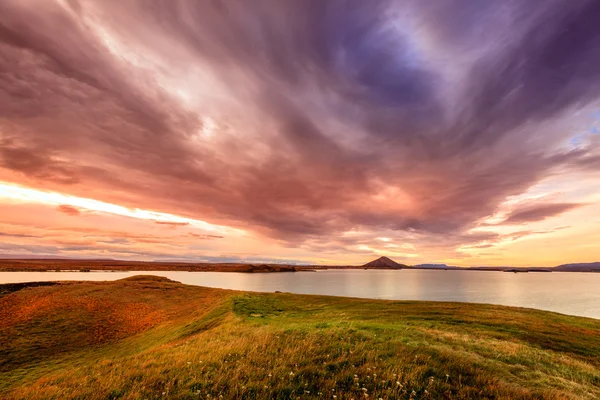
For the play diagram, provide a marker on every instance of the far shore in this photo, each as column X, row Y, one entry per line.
column 82, row 265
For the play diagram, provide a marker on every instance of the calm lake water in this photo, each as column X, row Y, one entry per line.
column 565, row 292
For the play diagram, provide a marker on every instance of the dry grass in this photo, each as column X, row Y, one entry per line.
column 166, row 340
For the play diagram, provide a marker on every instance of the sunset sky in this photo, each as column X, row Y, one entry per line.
column 464, row 132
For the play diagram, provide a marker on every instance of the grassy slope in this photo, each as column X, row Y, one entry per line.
column 148, row 337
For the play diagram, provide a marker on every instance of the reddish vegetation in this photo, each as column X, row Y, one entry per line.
column 106, row 319
column 40, row 320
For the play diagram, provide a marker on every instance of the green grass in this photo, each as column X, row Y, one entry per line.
column 150, row 338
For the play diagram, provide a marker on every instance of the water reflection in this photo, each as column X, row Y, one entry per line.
column 569, row 293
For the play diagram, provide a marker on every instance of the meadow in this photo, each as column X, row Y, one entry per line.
column 151, row 338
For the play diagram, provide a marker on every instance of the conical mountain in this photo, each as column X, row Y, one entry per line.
column 384, row 263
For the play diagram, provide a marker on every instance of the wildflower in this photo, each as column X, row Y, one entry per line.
column 364, row 389
column 307, row 392
column 270, row 375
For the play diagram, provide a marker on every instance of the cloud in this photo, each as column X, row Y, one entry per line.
column 300, row 121
column 17, row 235
column 204, row 236
column 539, row 212
column 172, row 224
column 69, row 210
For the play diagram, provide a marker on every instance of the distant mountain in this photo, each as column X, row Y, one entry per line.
column 384, row 263
column 578, row 267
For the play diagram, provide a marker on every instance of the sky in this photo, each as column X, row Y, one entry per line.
column 457, row 131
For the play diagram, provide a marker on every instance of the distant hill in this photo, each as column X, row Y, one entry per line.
column 578, row 267
column 269, row 268
column 384, row 263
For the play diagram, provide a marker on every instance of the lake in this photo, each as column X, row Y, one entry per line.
column 565, row 292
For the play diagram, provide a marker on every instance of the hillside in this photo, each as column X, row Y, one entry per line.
column 579, row 267
column 384, row 263
column 148, row 337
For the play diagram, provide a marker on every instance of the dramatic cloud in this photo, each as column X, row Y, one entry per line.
column 301, row 121
column 539, row 212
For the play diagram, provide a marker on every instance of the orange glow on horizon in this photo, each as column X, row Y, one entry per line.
column 18, row 193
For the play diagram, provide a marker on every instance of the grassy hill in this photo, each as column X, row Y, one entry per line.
column 148, row 337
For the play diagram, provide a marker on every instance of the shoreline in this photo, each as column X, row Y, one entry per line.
column 71, row 265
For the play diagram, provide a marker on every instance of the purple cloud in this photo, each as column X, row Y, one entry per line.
column 300, row 120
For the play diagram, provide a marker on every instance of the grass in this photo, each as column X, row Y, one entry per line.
column 151, row 338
